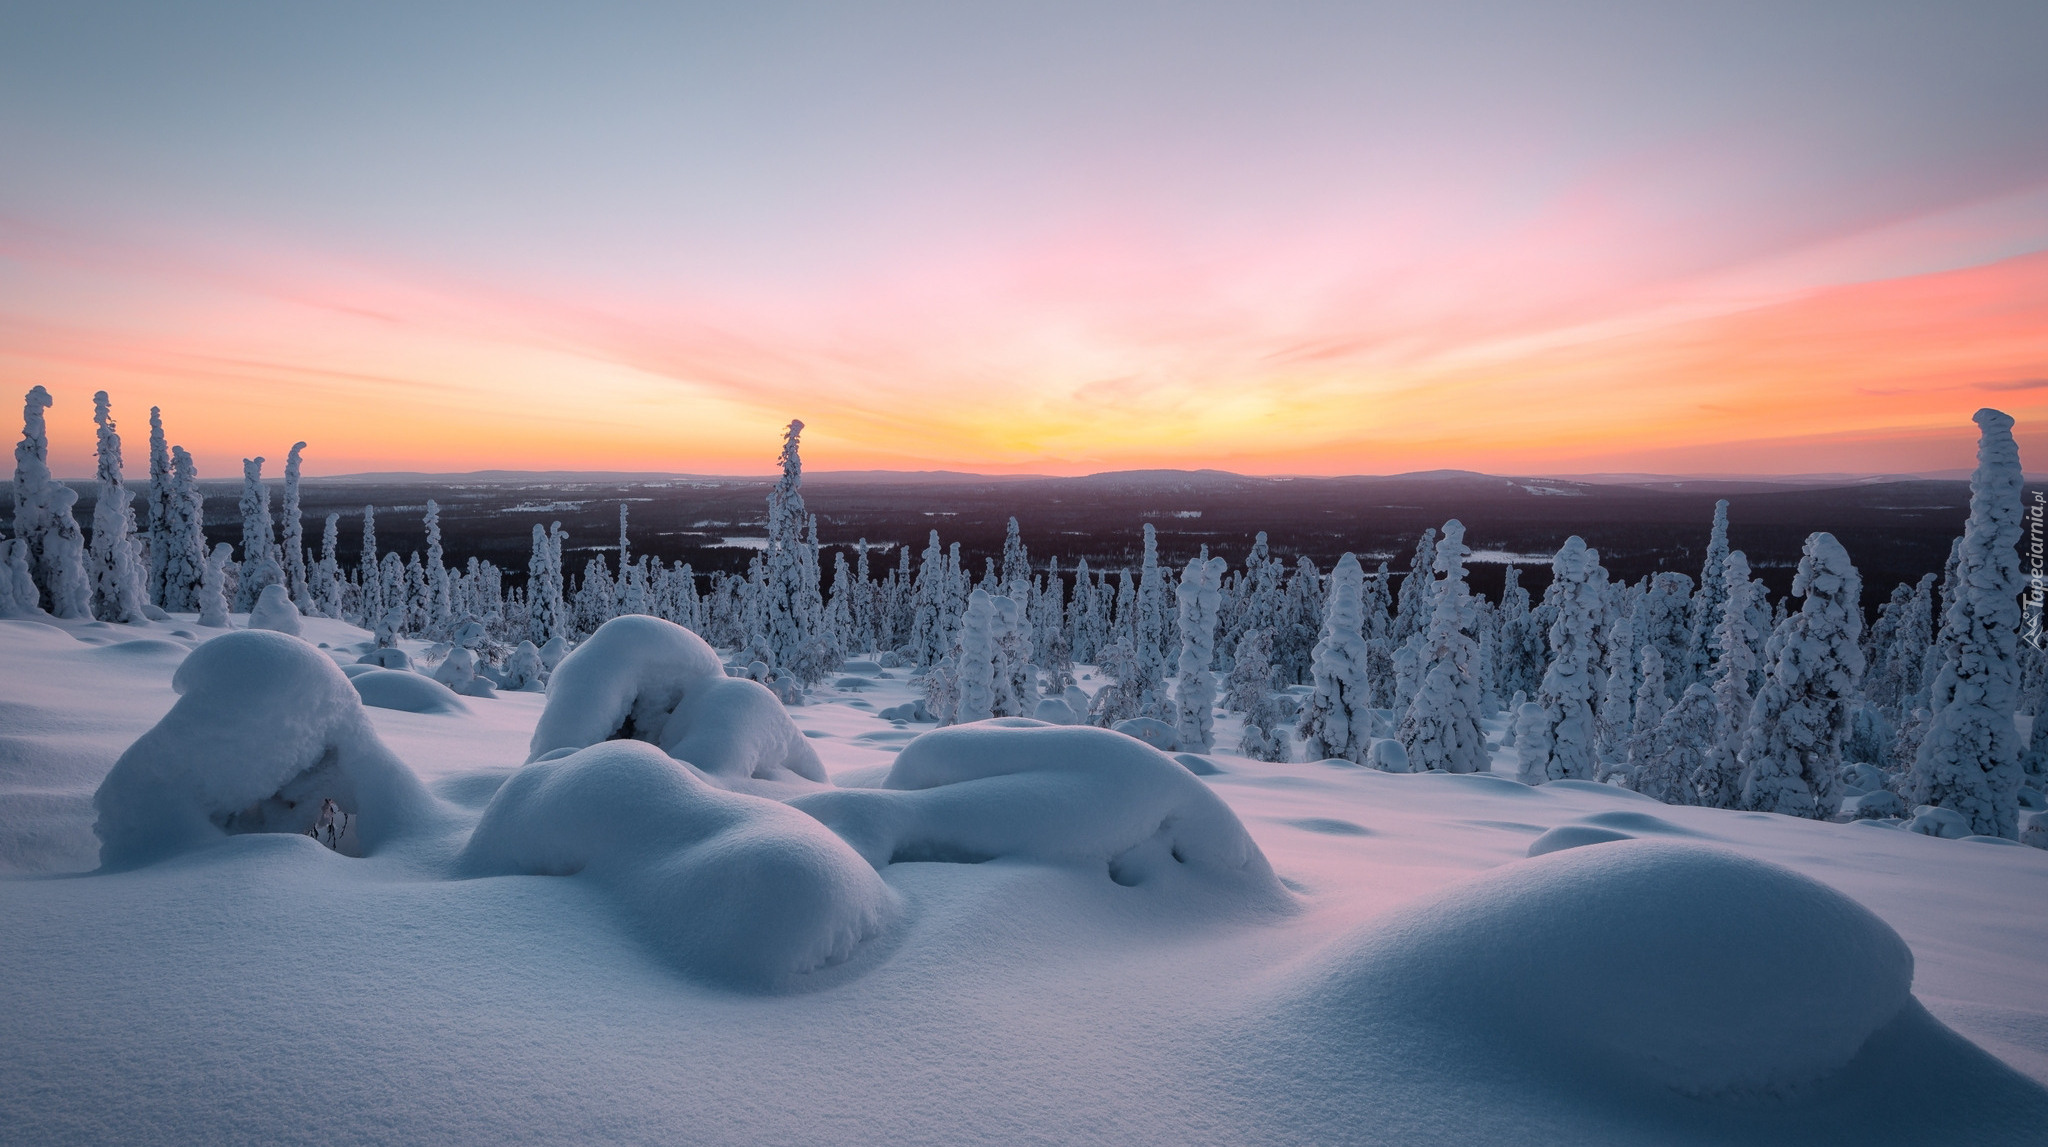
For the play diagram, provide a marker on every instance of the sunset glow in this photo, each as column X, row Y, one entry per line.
column 1357, row 245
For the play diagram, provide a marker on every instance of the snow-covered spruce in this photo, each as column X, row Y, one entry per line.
column 1969, row 759
column 1200, row 594
column 120, row 590
column 1554, row 734
column 977, row 660
column 260, row 566
column 265, row 728
column 1337, row 720
column 43, row 518
column 1792, row 749
column 1716, row 781
column 1441, row 727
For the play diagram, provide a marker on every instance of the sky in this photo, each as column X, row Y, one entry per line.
column 1289, row 238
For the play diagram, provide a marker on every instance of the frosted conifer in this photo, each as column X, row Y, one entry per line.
column 1200, row 594
column 1968, row 761
column 1792, row 750
column 43, row 519
column 1555, row 737
column 1337, row 720
column 119, row 584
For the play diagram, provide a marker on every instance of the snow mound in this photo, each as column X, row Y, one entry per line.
column 1690, row 966
column 734, row 888
column 274, row 611
column 1155, row 733
column 1574, row 836
column 405, row 691
column 1061, row 794
column 641, row 678
column 265, row 728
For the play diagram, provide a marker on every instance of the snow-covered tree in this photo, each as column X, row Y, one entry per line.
column 213, row 597
column 440, row 611
column 977, row 659
column 1555, row 739
column 1716, row 780
column 119, row 583
column 1969, row 761
column 326, row 578
column 1792, row 749
column 794, row 602
column 162, row 487
column 260, row 567
column 1704, row 617
column 1651, row 702
column 1337, row 720
column 930, row 627
column 1617, row 701
column 1664, row 761
column 544, row 605
column 1411, row 611
column 294, row 541
column 1440, row 730
column 43, row 519
column 1299, row 622
column 1151, row 621
column 1200, row 594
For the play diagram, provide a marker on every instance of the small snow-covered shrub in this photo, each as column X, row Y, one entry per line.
column 266, row 727
column 274, row 611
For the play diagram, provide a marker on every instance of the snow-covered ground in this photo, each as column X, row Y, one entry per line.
column 1408, row 977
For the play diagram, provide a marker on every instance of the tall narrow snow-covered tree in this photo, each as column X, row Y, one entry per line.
column 119, row 583
column 1151, row 628
column 1617, row 700
column 1411, row 608
column 1016, row 569
column 1650, row 704
column 1716, row 780
column 794, row 601
column 545, row 609
column 43, row 518
column 977, row 659
column 293, row 541
column 162, row 488
column 1555, row 738
column 1704, row 615
column 1200, row 594
column 1792, row 750
column 1337, row 719
column 325, row 587
column 1969, row 760
column 439, row 611
column 213, row 597
column 183, row 537
column 260, row 567
column 1441, row 730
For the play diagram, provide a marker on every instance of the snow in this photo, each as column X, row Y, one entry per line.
column 655, row 681
column 1686, row 965
column 1344, row 955
column 264, row 728
column 737, row 889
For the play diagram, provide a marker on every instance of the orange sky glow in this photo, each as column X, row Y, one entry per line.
column 1313, row 239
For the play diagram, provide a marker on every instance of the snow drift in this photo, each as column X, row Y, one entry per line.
column 645, row 679
column 1689, row 966
column 1078, row 795
column 737, row 889
column 265, row 728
